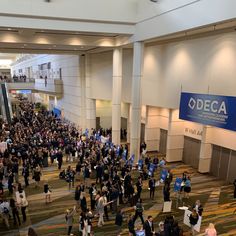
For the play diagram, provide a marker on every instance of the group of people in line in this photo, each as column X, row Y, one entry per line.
column 33, row 137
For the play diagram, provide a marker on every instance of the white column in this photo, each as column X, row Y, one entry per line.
column 152, row 131
column 205, row 151
column 129, row 123
column 116, row 95
column 175, row 137
column 136, row 99
column 90, row 103
column 82, row 122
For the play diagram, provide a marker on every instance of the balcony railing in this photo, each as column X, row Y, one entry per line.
column 17, row 80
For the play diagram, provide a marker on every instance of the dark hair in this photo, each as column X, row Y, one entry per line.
column 149, row 217
column 31, row 232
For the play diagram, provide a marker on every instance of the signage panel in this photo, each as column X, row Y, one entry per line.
column 218, row 111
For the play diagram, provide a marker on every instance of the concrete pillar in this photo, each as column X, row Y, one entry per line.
column 205, row 151
column 82, row 122
column 116, row 95
column 129, row 124
column 152, row 131
column 136, row 99
column 175, row 137
column 90, row 103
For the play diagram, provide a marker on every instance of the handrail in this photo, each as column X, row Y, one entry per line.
column 18, row 80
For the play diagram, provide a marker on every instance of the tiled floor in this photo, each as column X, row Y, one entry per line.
column 49, row 219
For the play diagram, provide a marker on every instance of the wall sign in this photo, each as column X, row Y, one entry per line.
column 218, row 111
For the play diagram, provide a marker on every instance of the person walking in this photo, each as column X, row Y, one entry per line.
column 139, row 211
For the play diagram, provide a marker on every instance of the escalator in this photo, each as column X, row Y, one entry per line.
column 6, row 109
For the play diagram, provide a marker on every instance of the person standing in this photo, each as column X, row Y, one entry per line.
column 47, row 192
column 139, row 186
column 119, row 221
column 166, row 192
column 100, row 210
column 210, row 230
column 15, row 212
column 23, row 203
column 187, row 187
column 93, row 193
column 37, row 175
column 152, row 186
column 131, row 226
column 193, row 219
column 149, row 227
column 5, row 212
column 83, row 202
column 198, row 207
column 25, row 173
column 69, row 219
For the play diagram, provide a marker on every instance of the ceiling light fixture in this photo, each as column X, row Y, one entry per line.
column 8, row 28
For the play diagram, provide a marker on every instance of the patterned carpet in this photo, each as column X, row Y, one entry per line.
column 49, row 219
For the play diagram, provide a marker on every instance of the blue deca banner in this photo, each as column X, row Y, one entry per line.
column 218, row 111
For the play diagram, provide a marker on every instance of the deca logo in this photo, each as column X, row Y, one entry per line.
column 208, row 105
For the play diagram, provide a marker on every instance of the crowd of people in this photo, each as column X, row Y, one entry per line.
column 103, row 173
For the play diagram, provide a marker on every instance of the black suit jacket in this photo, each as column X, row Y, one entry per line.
column 148, row 229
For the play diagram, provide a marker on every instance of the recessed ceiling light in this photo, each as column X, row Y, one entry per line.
column 8, row 28
column 42, row 31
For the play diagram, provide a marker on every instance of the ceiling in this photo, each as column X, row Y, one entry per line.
column 14, row 41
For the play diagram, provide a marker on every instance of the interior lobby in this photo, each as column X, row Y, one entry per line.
column 158, row 73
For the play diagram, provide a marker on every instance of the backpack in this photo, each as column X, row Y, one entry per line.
column 139, row 208
column 5, row 210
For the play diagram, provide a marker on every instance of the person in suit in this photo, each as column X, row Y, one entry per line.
column 139, row 186
column 149, row 227
column 152, row 185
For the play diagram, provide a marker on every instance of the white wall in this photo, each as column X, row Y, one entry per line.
column 104, row 111
column 194, row 66
column 101, row 75
column 71, row 98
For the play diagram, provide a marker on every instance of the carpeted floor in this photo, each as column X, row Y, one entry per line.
column 49, row 219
